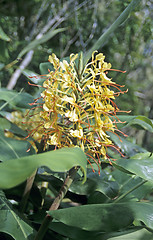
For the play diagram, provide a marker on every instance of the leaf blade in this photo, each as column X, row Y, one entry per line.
column 15, row 171
column 101, row 41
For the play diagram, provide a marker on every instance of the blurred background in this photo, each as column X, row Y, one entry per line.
column 32, row 30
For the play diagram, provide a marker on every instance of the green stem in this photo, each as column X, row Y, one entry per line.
column 131, row 190
column 29, row 183
column 26, row 193
column 44, row 226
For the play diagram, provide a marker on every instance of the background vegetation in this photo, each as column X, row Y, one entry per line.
column 29, row 32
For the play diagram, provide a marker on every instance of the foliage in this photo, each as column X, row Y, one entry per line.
column 48, row 194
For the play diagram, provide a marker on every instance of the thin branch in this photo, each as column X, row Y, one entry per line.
column 17, row 73
column 27, row 59
column 55, row 205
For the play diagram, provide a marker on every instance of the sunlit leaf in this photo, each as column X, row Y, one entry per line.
column 16, row 171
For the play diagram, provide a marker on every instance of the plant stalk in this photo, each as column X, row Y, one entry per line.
column 68, row 181
column 26, row 193
column 131, row 190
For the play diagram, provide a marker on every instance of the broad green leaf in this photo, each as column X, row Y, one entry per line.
column 143, row 212
column 3, row 35
column 105, row 217
column 143, row 123
column 138, row 234
column 96, row 183
column 142, row 167
column 13, row 224
column 96, row 217
column 11, row 148
column 79, row 234
column 16, row 171
column 72, row 232
column 104, row 37
column 127, row 182
column 4, row 124
column 37, row 42
column 126, row 147
column 14, row 99
column 140, row 122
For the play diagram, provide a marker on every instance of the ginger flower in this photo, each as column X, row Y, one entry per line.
column 77, row 106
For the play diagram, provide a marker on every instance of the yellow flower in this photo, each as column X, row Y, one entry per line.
column 73, row 117
column 77, row 133
column 77, row 106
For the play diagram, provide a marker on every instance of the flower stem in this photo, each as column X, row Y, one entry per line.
column 44, row 226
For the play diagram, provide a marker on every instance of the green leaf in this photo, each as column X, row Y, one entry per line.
column 32, row 76
column 128, row 182
column 14, row 99
column 3, row 35
column 95, row 183
column 45, row 66
column 104, row 37
column 140, row 166
column 11, row 148
column 137, row 234
column 96, row 217
column 105, row 217
column 13, row 224
column 140, row 122
column 72, row 232
column 37, row 42
column 4, row 124
column 126, row 147
column 143, row 122
column 16, row 171
column 79, row 234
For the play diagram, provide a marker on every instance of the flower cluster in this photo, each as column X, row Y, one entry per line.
column 78, row 107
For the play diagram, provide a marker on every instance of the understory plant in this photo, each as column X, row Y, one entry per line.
column 68, row 168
